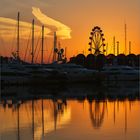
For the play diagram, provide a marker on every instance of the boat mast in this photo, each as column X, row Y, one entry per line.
column 32, row 42
column 55, row 47
column 18, row 18
column 42, row 45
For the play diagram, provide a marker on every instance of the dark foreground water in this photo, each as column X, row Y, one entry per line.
column 74, row 112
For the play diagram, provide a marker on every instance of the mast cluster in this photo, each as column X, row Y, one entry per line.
column 57, row 52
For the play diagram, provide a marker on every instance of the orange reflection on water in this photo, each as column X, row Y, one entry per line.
column 72, row 119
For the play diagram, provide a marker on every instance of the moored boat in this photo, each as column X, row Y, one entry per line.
column 120, row 73
column 75, row 73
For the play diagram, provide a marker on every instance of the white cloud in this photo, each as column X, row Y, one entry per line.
column 8, row 21
column 61, row 29
column 8, row 27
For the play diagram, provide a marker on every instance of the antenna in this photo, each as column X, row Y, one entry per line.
column 114, row 44
column 129, row 47
column 32, row 41
column 125, row 31
column 117, row 48
column 42, row 45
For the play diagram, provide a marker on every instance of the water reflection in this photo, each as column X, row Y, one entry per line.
column 41, row 116
column 97, row 112
column 98, row 109
column 56, row 112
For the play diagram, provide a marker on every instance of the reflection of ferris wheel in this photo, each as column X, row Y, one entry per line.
column 97, row 41
column 97, row 111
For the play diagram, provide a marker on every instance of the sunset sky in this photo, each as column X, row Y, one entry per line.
column 73, row 21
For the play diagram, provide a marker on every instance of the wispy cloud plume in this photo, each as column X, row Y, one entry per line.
column 8, row 28
column 61, row 29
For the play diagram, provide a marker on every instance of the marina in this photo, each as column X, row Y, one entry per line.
column 69, row 70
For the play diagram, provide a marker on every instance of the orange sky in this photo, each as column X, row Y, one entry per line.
column 80, row 17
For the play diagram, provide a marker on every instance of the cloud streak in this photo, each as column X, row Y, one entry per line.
column 61, row 29
column 8, row 28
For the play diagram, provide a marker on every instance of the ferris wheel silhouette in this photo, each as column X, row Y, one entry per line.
column 96, row 41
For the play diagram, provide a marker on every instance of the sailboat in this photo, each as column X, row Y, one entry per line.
column 12, row 72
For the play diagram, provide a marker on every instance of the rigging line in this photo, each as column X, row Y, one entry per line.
column 29, row 54
column 13, row 40
column 50, row 54
column 37, row 54
column 2, row 41
column 36, row 112
column 27, row 111
column 37, row 43
column 45, row 47
column 27, row 46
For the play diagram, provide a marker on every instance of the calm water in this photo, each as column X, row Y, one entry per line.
column 73, row 113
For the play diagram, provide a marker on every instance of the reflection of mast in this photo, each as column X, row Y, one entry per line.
column 18, row 136
column 33, row 119
column 55, row 115
column 117, row 105
column 114, row 113
column 42, row 119
column 130, row 105
column 59, row 106
column 0, row 85
column 125, row 117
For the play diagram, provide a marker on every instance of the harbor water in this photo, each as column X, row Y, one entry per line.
column 73, row 112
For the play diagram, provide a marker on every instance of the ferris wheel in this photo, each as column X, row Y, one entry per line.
column 96, row 41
